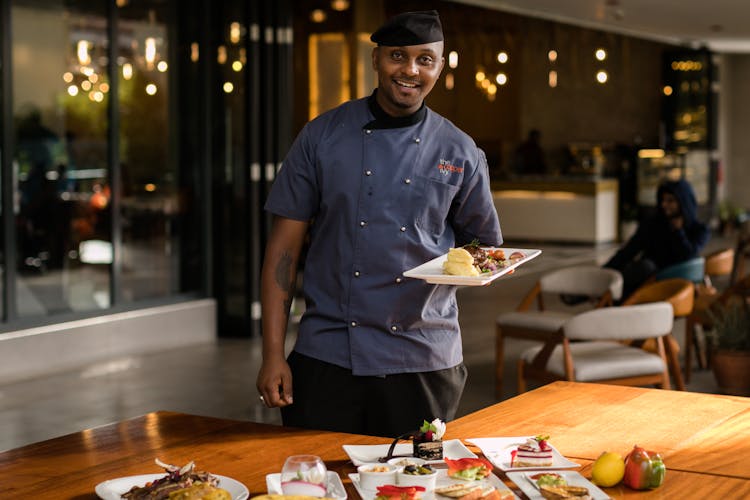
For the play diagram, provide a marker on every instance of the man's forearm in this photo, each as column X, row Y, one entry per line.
column 278, row 284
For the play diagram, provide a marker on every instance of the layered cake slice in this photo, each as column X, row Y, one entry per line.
column 535, row 452
column 428, row 440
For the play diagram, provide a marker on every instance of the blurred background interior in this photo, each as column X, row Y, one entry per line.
column 139, row 138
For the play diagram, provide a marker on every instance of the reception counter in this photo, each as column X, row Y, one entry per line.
column 576, row 210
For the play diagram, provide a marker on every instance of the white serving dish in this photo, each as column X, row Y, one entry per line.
column 498, row 451
column 113, row 489
column 528, row 486
column 432, row 271
column 334, row 486
column 427, row 481
column 371, row 479
column 368, row 454
column 441, row 480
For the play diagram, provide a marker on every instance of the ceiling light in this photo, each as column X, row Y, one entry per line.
column 339, row 5
column 453, row 59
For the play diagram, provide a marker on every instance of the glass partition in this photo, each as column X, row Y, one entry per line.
column 60, row 98
column 150, row 203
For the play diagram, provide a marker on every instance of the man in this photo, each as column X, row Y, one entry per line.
column 380, row 185
column 672, row 235
column 530, row 156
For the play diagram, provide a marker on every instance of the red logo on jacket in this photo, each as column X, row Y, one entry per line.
column 446, row 168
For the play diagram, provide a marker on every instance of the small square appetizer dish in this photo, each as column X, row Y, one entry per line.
column 560, row 484
column 522, row 453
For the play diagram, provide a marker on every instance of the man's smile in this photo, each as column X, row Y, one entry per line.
column 407, row 84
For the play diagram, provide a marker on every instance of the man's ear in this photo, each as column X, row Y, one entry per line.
column 375, row 55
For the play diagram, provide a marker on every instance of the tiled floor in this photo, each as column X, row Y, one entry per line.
column 218, row 379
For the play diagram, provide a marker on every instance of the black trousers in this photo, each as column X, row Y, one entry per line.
column 329, row 397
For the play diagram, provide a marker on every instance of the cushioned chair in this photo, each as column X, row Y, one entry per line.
column 691, row 269
column 680, row 294
column 741, row 252
column 599, row 354
column 601, row 286
column 718, row 264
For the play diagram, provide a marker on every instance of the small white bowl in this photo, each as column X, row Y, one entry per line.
column 425, row 480
column 402, row 462
column 373, row 475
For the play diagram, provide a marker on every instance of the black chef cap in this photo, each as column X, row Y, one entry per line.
column 410, row 28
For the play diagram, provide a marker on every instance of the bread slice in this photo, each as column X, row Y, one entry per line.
column 564, row 492
column 457, row 490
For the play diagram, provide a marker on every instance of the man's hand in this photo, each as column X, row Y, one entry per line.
column 677, row 222
column 274, row 383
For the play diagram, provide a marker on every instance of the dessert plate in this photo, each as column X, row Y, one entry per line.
column 497, row 451
column 528, row 486
column 334, row 486
column 368, row 454
column 432, row 271
column 442, row 480
column 113, row 489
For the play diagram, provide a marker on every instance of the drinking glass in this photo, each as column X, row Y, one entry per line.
column 304, row 475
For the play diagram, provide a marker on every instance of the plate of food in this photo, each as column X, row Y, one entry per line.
column 365, row 454
column 465, row 478
column 472, row 265
column 556, row 482
column 522, row 453
column 186, row 479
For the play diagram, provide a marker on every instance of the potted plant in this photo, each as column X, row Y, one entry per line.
column 730, row 356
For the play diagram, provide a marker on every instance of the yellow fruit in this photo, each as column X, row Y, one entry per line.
column 608, row 469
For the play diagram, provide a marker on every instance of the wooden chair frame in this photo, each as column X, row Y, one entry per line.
column 680, row 293
column 533, row 296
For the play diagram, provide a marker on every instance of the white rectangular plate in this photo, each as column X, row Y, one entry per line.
column 367, row 454
column 528, row 485
column 334, row 486
column 113, row 489
column 497, row 450
column 442, row 480
column 432, row 271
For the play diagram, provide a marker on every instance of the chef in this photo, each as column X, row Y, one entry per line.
column 373, row 188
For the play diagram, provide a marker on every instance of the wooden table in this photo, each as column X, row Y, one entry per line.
column 704, row 439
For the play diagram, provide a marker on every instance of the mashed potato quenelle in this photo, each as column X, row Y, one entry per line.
column 460, row 263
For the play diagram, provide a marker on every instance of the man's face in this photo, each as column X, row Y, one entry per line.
column 406, row 75
column 670, row 205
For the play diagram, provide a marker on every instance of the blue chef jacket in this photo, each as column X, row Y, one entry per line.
column 381, row 201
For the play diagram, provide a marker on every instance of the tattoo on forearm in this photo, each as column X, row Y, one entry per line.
column 284, row 279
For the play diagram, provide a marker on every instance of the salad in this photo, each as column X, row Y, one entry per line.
column 468, row 469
